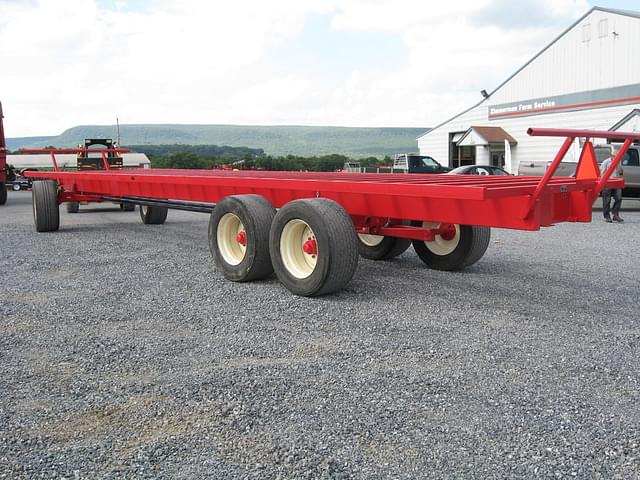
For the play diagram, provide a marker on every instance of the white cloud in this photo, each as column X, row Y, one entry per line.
column 270, row 96
column 71, row 62
column 452, row 56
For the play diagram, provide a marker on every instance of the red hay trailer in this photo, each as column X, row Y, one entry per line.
column 310, row 228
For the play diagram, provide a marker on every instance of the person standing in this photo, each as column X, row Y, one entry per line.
column 616, row 193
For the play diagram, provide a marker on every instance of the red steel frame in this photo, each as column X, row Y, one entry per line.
column 377, row 203
column 53, row 151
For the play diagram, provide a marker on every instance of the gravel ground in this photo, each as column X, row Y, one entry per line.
column 124, row 354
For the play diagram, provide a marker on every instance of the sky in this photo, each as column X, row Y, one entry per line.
column 374, row 63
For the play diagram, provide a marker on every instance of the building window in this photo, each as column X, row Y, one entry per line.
column 586, row 32
column 603, row 28
column 454, row 150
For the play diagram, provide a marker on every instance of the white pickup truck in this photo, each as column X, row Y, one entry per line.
column 414, row 163
column 402, row 163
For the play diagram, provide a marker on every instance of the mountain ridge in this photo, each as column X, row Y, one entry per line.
column 276, row 140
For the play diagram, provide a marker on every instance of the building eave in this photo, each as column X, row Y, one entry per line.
column 625, row 119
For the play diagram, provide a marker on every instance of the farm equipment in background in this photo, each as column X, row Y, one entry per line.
column 3, row 162
column 107, row 158
column 94, row 160
column 90, row 159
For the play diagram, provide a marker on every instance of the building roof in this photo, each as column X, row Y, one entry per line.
column 633, row 113
column 626, row 13
column 485, row 136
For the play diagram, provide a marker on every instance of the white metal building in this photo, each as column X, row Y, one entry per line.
column 588, row 78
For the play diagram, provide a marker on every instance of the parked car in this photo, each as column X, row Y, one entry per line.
column 478, row 170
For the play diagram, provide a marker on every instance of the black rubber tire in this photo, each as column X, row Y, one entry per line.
column 127, row 207
column 481, row 240
column 3, row 193
column 153, row 215
column 73, row 207
column 256, row 214
column 337, row 246
column 46, row 211
column 473, row 244
column 388, row 248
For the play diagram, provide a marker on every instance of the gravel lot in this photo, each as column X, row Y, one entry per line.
column 124, row 354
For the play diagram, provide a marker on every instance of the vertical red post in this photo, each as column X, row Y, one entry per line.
column 105, row 161
column 53, row 160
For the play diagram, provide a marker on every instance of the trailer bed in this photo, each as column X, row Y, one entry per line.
column 492, row 201
column 310, row 227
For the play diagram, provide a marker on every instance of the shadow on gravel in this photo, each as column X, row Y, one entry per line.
column 99, row 210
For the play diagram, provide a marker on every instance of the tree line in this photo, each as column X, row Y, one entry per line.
column 242, row 158
column 212, row 151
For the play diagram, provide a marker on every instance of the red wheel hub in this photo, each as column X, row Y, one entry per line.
column 310, row 247
column 241, row 238
column 447, row 231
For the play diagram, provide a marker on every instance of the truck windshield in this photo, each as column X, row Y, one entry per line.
column 423, row 162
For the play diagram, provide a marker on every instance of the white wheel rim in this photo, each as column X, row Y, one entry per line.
column 370, row 240
column 16, row 188
column 292, row 240
column 229, row 227
column 440, row 246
